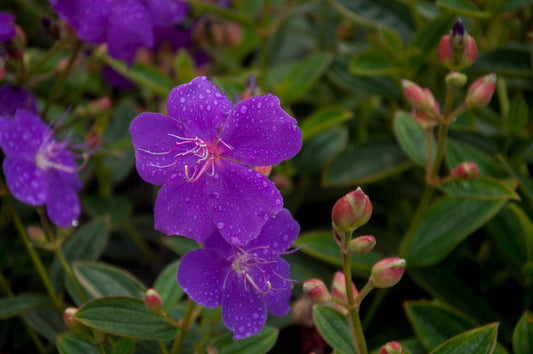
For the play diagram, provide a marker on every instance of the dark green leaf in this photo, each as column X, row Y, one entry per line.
column 509, row 61
column 117, row 207
column 322, row 120
column 260, row 343
column 333, row 327
column 481, row 188
column 480, row 341
column 463, row 7
column 184, row 64
column 457, row 152
column 523, row 334
column 412, row 138
column 511, row 5
column 46, row 322
column 373, row 64
column 428, row 37
column 70, row 344
column 17, row 305
column 126, row 317
column 167, row 286
column 124, row 346
column 518, row 114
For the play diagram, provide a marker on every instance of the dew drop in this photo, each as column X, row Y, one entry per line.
column 255, row 316
column 244, row 109
column 285, row 238
column 182, row 100
column 216, row 195
column 220, row 225
column 216, row 176
column 278, row 202
column 218, row 95
column 75, row 223
column 187, row 199
column 259, row 105
column 195, row 217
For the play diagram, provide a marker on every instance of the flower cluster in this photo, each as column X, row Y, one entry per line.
column 202, row 154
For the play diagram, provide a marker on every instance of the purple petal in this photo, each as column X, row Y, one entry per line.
column 261, row 132
column 167, row 13
column 151, row 139
column 7, row 31
column 23, row 137
column 62, row 205
column 129, row 28
column 6, row 18
column 89, row 18
column 201, row 275
column 181, row 209
column 242, row 202
column 13, row 98
column 175, row 37
column 277, row 299
column 277, row 235
column 243, row 313
column 216, row 243
column 25, row 180
column 200, row 106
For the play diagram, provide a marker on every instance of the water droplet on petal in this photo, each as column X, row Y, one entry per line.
column 285, row 238
column 278, row 202
column 244, row 109
column 255, row 316
column 187, row 199
column 216, row 195
column 219, row 95
column 182, row 100
column 220, row 225
column 259, row 105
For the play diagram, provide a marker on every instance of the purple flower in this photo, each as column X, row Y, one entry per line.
column 124, row 25
column 201, row 154
column 13, row 98
column 38, row 169
column 7, row 29
column 247, row 281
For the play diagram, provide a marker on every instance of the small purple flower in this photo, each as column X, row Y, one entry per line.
column 201, row 154
column 247, row 281
column 7, row 29
column 13, row 98
column 124, row 25
column 38, row 169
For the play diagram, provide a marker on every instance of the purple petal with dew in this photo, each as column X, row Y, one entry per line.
column 25, row 136
column 261, row 132
column 200, row 106
column 243, row 313
column 62, row 205
column 216, row 243
column 25, row 180
column 66, row 169
column 167, row 13
column 129, row 28
column 277, row 299
column 276, row 236
column 201, row 275
column 241, row 202
column 89, row 18
column 181, row 209
column 154, row 138
column 13, row 98
column 7, row 31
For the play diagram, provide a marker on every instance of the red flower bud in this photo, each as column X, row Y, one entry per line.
column 387, row 272
column 316, row 290
column 338, row 287
column 418, row 97
column 457, row 50
column 152, row 300
column 361, row 245
column 391, row 348
column 465, row 171
column 351, row 211
column 68, row 316
column 480, row 92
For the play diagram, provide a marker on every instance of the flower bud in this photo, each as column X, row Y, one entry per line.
column 480, row 92
column 387, row 272
column 316, row 290
column 418, row 97
column 36, row 235
column 456, row 80
column 391, row 348
column 152, row 300
column 458, row 49
column 264, row 170
column 361, row 245
column 338, row 287
column 351, row 211
column 465, row 171
column 68, row 316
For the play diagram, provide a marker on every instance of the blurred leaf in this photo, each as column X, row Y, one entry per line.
column 46, row 322
column 68, row 343
column 366, row 163
column 511, row 5
column 412, row 138
column 434, row 323
column 480, row 340
column 291, row 81
column 523, row 334
column 518, row 114
column 508, row 61
column 322, row 120
column 526, row 183
column 17, row 305
column 481, row 188
column 320, row 150
column 427, row 39
column 126, row 317
column 457, row 152
column 116, row 206
column 445, row 224
column 124, row 346
column 373, row 64
column 333, row 326
column 392, row 41
column 260, row 343
column 167, row 286
column 179, row 245
column 184, row 66
column 86, row 244
column 463, row 7
column 104, row 280
column 123, row 113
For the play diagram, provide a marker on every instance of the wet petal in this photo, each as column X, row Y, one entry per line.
column 243, row 313
column 88, row 17
column 216, row 243
column 242, row 201
column 277, row 299
column 181, row 209
column 261, row 132
column 13, row 98
column 62, row 205
column 25, row 180
column 201, row 275
column 24, row 136
column 167, row 13
column 200, row 106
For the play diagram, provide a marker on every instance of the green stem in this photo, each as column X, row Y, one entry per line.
column 353, row 308
column 184, row 329
column 162, row 347
column 61, row 79
column 136, row 237
column 441, row 145
column 429, row 157
column 416, row 15
column 41, row 61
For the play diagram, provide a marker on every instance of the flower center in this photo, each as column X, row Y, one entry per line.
column 48, row 154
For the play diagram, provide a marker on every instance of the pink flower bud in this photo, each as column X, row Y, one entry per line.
column 457, row 50
column 391, row 348
column 361, row 245
column 445, row 52
column 152, row 300
column 68, row 316
column 418, row 97
column 480, row 92
column 465, row 171
column 316, row 290
column 36, row 234
column 264, row 170
column 351, row 211
column 387, row 272
column 338, row 287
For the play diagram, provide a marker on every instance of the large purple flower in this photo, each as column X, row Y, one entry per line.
column 124, row 25
column 7, row 29
column 201, row 154
column 13, row 98
column 247, row 281
column 38, row 169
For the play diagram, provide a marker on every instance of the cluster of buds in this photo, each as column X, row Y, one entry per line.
column 318, row 293
column 426, row 110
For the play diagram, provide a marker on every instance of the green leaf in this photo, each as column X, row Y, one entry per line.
column 463, row 7
column 70, row 344
column 333, row 326
column 427, row 39
column 457, row 152
column 480, row 340
column 184, row 64
column 126, row 317
column 100, row 279
column 291, row 81
column 445, row 224
column 523, row 334
column 167, row 286
column 412, row 138
column 518, row 115
column 46, row 322
column 17, row 305
column 365, row 163
column 481, row 188
column 435, row 323
column 180, row 245
column 392, row 41
column 124, row 346
column 260, row 343
column 511, row 5
column 322, row 120
column 117, row 207
column 373, row 64
column 507, row 61
column 86, row 244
